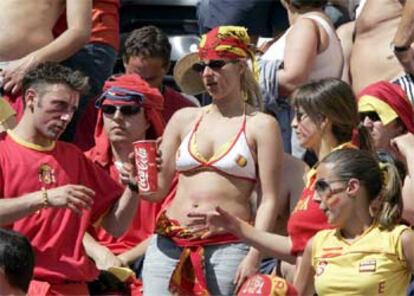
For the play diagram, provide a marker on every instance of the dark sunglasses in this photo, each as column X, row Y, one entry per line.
column 323, row 187
column 214, row 65
column 372, row 115
column 126, row 110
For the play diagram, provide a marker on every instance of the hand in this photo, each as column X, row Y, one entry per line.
column 104, row 259
column 128, row 172
column 214, row 222
column 13, row 74
column 74, row 197
column 249, row 265
column 266, row 45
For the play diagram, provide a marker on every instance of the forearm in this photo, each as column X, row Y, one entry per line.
column 268, row 243
column 136, row 252
column 92, row 247
column 165, row 182
column 13, row 209
column 79, row 19
column 63, row 47
column 405, row 32
column 121, row 214
column 265, row 218
column 286, row 83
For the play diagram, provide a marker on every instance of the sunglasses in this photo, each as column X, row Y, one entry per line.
column 323, row 188
column 372, row 115
column 125, row 110
column 214, row 65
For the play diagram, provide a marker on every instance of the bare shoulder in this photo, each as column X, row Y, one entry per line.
column 185, row 115
column 259, row 121
column 304, row 25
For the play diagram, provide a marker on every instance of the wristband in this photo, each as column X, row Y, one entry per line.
column 133, row 186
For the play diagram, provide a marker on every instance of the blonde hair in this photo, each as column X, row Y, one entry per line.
column 250, row 89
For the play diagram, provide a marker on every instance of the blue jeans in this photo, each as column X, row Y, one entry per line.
column 95, row 60
column 221, row 263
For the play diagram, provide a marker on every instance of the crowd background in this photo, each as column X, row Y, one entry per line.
column 286, row 149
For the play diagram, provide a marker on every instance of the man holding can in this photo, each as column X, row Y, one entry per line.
column 129, row 111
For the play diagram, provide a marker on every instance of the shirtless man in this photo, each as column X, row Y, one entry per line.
column 372, row 56
column 26, row 38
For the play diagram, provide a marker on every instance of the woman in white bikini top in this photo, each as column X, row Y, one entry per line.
column 221, row 152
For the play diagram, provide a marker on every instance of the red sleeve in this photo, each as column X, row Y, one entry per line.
column 107, row 191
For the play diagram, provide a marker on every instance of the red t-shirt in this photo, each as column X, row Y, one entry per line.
column 307, row 218
column 173, row 101
column 141, row 227
column 105, row 23
column 55, row 233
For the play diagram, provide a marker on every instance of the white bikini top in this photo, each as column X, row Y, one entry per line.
column 233, row 158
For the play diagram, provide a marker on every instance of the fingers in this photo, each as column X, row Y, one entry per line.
column 81, row 196
column 236, row 278
column 241, row 277
column 74, row 208
column 158, row 141
column 131, row 164
column 78, row 202
column 200, row 233
column 196, row 215
column 197, row 222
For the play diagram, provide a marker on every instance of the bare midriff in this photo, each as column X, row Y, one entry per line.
column 372, row 58
column 205, row 190
column 26, row 25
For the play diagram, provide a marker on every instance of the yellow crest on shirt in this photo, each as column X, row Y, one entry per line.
column 46, row 174
column 241, row 161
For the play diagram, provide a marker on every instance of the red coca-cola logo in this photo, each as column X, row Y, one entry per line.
column 142, row 166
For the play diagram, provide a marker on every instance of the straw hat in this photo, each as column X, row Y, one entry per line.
column 188, row 80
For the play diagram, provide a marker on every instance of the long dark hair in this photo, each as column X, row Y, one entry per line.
column 333, row 99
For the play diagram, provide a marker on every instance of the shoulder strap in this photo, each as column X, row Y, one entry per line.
column 322, row 22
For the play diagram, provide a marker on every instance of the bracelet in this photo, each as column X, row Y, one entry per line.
column 45, row 200
column 133, row 186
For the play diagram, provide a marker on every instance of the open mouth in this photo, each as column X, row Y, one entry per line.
column 211, row 84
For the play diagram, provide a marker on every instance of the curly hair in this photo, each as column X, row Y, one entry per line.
column 53, row 73
column 148, row 41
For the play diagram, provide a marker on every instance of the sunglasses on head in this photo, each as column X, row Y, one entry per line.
column 215, row 65
column 372, row 115
column 323, row 187
column 126, row 110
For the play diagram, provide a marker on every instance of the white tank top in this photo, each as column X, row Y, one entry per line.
column 328, row 63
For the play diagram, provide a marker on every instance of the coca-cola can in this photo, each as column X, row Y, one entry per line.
column 145, row 159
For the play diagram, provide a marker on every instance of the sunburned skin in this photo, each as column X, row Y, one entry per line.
column 37, row 17
column 303, row 130
column 372, row 58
